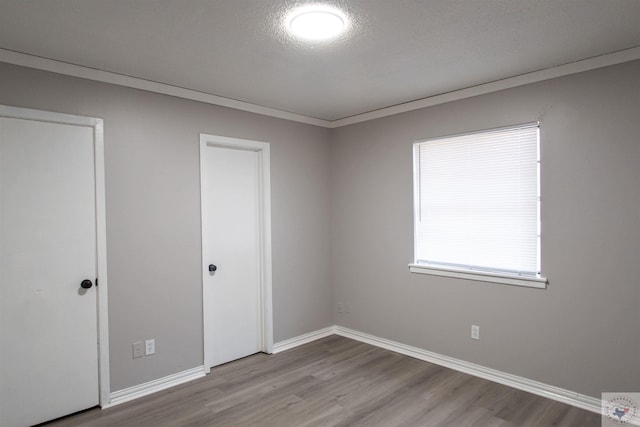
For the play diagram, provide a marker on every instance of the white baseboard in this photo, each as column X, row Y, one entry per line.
column 303, row 339
column 140, row 390
column 545, row 390
column 541, row 389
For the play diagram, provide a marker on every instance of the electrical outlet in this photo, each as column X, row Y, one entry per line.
column 475, row 332
column 340, row 308
column 150, row 347
column 347, row 307
column 138, row 349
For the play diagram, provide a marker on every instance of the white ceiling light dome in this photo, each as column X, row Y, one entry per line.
column 316, row 22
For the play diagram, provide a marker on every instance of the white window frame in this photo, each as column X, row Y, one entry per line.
column 534, row 281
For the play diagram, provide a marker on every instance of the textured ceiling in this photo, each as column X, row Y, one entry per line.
column 395, row 51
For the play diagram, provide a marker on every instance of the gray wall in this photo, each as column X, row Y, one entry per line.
column 342, row 215
column 153, row 214
column 582, row 333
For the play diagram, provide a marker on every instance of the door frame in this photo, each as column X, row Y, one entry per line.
column 102, row 320
column 264, row 214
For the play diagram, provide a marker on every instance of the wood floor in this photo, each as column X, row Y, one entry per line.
column 336, row 381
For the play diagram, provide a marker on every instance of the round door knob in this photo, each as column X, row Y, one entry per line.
column 212, row 268
column 86, row 284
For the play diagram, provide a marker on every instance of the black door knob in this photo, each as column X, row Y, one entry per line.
column 212, row 268
column 86, row 284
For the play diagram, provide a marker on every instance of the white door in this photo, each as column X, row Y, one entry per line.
column 233, row 245
column 48, row 321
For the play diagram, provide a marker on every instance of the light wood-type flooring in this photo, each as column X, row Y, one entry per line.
column 336, row 381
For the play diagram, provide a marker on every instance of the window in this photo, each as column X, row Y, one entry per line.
column 477, row 206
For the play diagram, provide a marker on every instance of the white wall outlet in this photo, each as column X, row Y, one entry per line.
column 150, row 347
column 347, row 307
column 340, row 308
column 138, row 349
column 475, row 332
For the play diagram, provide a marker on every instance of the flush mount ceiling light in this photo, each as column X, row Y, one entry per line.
column 316, row 23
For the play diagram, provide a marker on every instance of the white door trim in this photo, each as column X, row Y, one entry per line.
column 262, row 148
column 101, row 233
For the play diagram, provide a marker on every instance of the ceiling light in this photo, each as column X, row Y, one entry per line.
column 316, row 23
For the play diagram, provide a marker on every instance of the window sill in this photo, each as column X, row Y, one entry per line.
column 530, row 282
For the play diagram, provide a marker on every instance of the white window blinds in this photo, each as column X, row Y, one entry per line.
column 476, row 200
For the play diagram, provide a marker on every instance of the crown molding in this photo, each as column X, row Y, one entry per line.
column 26, row 60
column 45, row 64
column 511, row 82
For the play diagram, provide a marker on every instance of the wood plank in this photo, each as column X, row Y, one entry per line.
column 336, row 381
